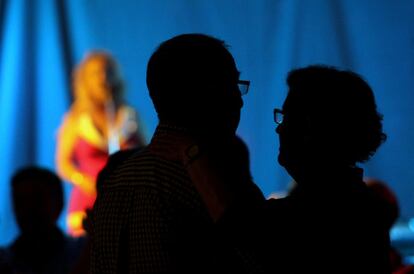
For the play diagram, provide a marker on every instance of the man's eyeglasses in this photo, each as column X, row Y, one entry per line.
column 278, row 116
column 243, row 86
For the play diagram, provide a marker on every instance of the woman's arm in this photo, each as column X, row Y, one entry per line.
column 207, row 179
column 66, row 168
column 219, row 171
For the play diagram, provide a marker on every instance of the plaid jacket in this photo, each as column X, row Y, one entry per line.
column 149, row 218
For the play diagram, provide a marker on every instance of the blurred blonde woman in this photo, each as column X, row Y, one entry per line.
column 97, row 124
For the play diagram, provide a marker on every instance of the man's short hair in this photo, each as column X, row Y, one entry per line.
column 45, row 178
column 179, row 71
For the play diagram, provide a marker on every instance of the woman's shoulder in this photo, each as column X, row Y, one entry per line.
column 69, row 123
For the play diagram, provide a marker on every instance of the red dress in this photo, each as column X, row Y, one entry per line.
column 90, row 160
column 89, row 155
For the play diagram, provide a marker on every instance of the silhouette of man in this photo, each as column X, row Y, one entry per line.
column 148, row 217
column 41, row 247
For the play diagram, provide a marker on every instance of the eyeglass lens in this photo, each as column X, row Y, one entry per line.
column 244, row 86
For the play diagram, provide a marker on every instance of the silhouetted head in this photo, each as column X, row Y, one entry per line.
column 193, row 82
column 37, row 199
column 97, row 80
column 330, row 117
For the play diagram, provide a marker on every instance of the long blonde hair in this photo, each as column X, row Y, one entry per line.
column 81, row 94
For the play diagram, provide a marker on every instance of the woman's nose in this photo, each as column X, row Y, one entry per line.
column 278, row 128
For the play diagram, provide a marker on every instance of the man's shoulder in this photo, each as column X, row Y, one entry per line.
column 140, row 167
column 120, row 157
column 137, row 161
column 115, row 161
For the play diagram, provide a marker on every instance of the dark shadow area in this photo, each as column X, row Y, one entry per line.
column 41, row 247
column 330, row 222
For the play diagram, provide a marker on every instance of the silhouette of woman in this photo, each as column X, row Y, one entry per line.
column 97, row 124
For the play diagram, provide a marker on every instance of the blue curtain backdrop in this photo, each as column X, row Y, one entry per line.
column 40, row 41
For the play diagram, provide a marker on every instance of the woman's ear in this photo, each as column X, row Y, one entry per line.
column 308, row 132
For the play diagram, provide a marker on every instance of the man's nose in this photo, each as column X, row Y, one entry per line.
column 241, row 103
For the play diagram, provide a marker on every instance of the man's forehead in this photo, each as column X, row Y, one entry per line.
column 294, row 105
column 226, row 72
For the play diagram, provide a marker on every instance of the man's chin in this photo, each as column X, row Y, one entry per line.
column 287, row 163
column 282, row 160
